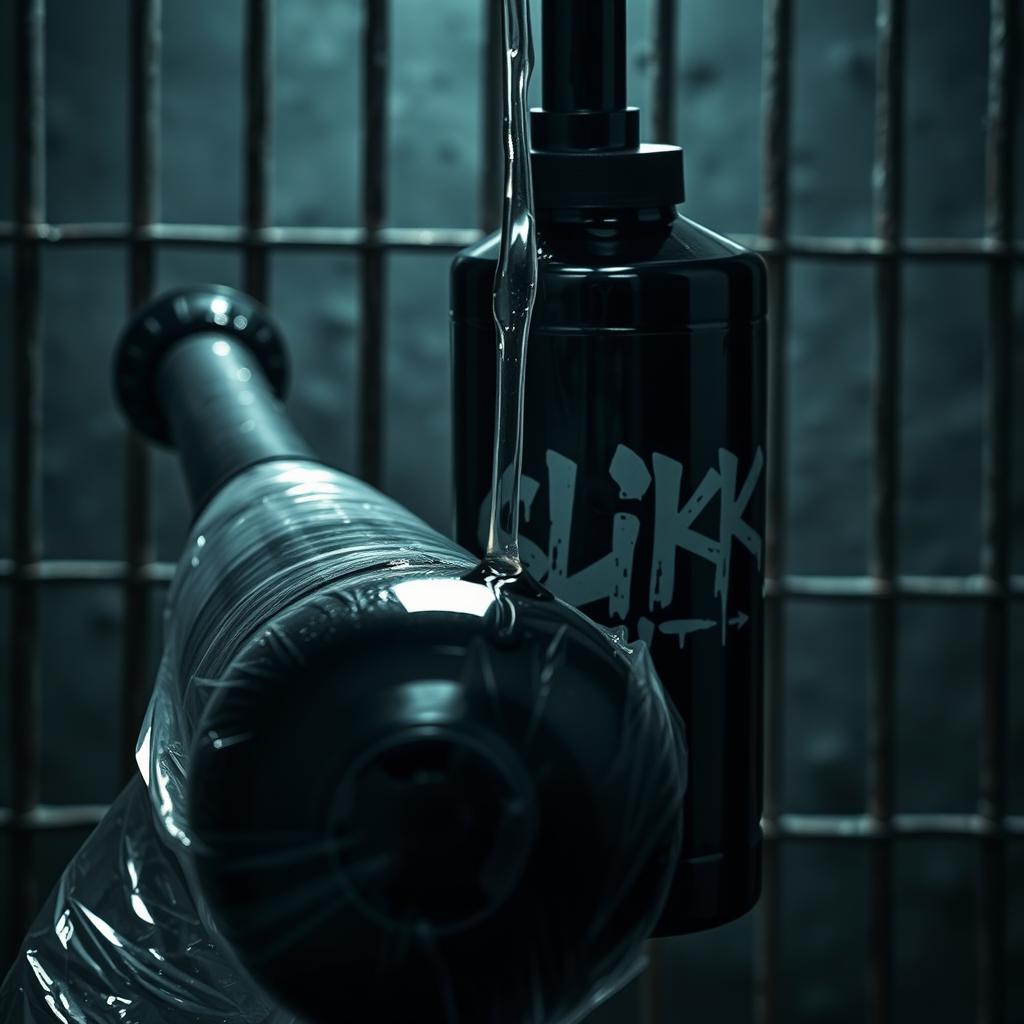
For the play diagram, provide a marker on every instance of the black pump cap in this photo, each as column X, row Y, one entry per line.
column 585, row 140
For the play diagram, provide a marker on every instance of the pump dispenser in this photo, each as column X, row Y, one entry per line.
column 643, row 471
column 586, row 141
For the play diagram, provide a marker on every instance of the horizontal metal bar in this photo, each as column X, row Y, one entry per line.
column 357, row 238
column 833, row 588
column 83, row 571
column 48, row 818
column 898, row 826
column 231, row 235
column 787, row 827
column 870, row 248
column 926, row 588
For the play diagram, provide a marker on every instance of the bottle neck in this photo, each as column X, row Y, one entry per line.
column 595, row 218
column 604, row 230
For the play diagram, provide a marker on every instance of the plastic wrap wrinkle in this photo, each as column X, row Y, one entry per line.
column 126, row 935
column 120, row 940
column 249, row 556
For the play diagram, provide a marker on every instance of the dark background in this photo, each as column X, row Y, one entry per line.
column 435, row 168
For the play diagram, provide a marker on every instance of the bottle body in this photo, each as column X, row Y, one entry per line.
column 643, row 488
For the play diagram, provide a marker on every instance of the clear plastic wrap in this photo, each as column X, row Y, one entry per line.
column 289, row 561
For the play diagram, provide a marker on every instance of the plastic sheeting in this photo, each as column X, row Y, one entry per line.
column 289, row 553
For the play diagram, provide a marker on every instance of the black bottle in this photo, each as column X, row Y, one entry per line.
column 643, row 486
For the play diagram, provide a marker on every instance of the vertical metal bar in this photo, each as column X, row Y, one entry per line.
column 491, row 182
column 26, row 405
column 777, row 75
column 888, row 179
column 144, row 143
column 995, row 555
column 663, row 50
column 258, row 112
column 663, row 86
column 371, row 369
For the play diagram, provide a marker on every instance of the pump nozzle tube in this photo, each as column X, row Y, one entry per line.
column 585, row 55
column 585, row 79
column 586, row 140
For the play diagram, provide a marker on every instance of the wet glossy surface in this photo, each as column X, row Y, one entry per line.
column 643, row 488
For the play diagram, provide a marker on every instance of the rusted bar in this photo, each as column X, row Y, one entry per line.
column 144, row 146
column 888, row 188
column 372, row 359
column 29, row 152
column 996, row 534
column 490, row 123
column 258, row 107
column 777, row 77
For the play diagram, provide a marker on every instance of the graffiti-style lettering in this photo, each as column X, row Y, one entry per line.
column 610, row 577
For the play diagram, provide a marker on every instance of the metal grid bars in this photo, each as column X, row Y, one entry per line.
column 144, row 143
column 888, row 182
column 883, row 588
column 26, row 403
column 373, row 310
column 778, row 48
column 995, row 554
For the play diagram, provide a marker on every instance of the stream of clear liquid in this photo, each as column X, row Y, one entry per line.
column 515, row 286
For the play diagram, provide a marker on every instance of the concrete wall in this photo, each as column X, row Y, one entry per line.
column 435, row 146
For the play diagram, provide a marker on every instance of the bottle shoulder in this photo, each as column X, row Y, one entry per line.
column 681, row 241
column 679, row 273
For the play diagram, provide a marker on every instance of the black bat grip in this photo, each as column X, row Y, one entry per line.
column 204, row 369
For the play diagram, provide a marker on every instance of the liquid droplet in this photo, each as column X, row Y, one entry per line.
column 515, row 287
